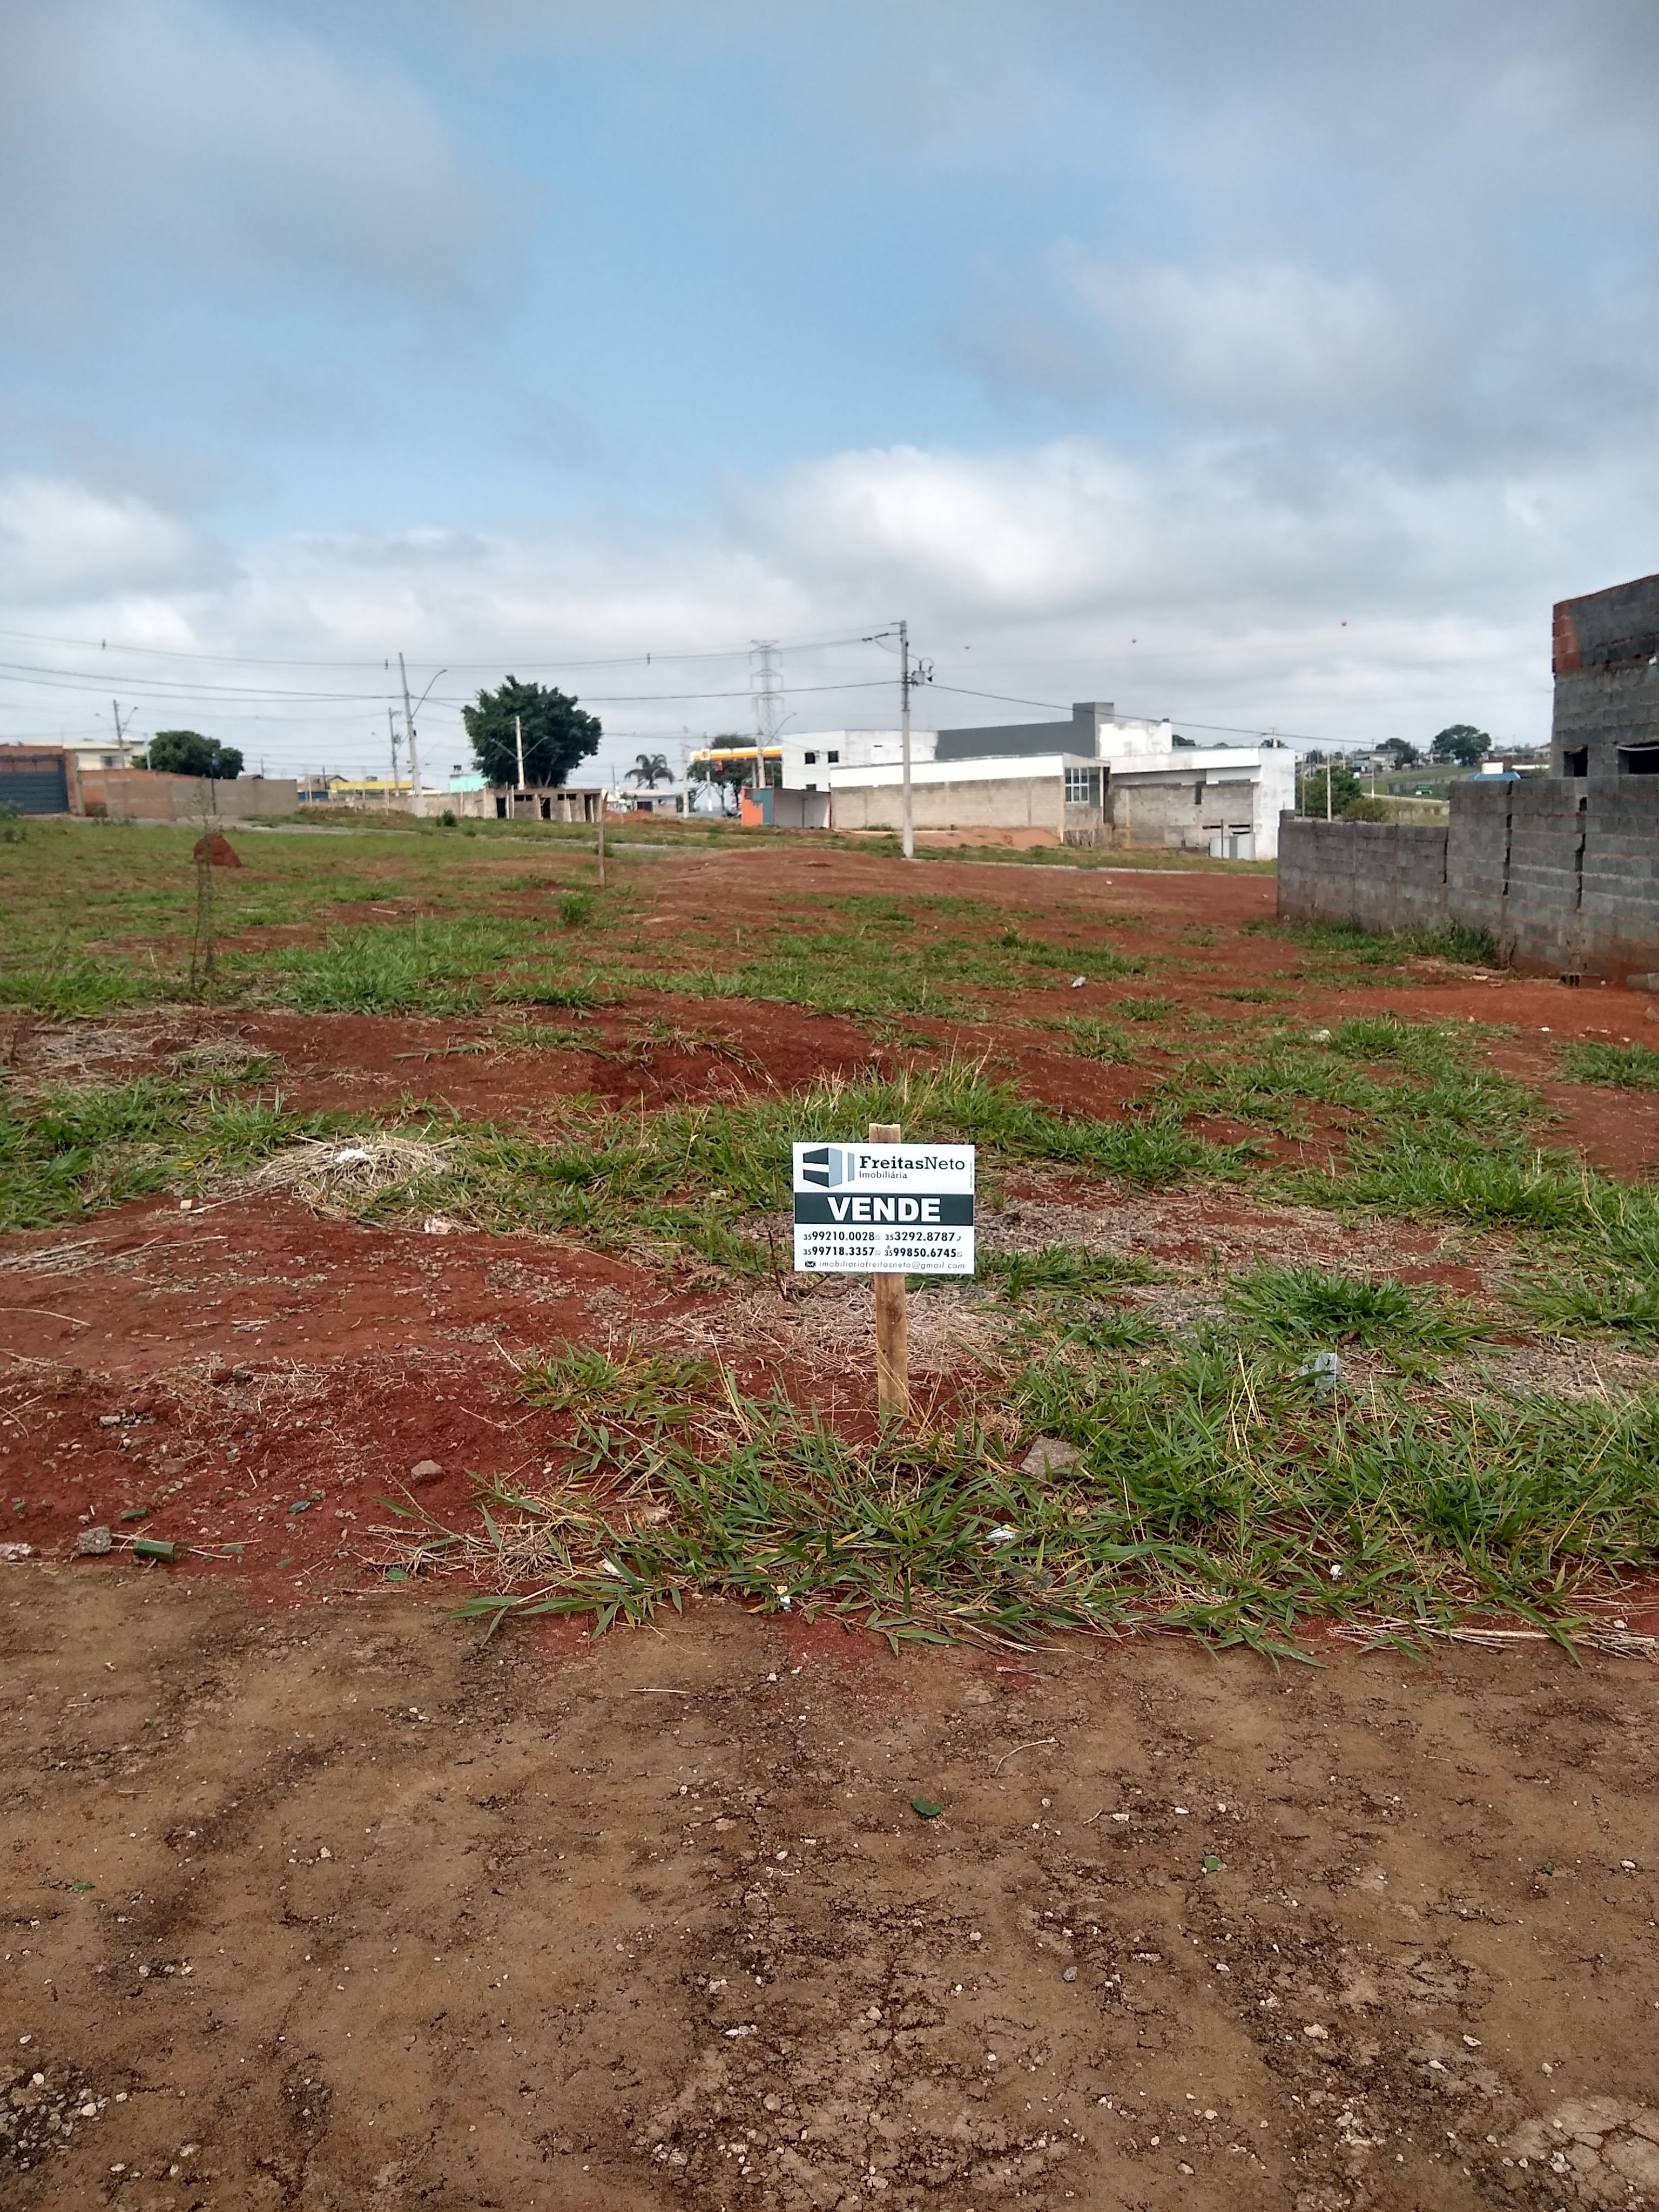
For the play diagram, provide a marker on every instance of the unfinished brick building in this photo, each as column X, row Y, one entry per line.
column 1607, row 684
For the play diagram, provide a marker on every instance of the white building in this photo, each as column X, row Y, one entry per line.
column 1096, row 780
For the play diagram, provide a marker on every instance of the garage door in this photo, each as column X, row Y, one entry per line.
column 39, row 787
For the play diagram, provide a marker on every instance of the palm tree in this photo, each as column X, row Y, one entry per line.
column 649, row 769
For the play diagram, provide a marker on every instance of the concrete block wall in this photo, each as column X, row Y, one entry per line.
column 1478, row 854
column 139, row 795
column 1167, row 813
column 1541, row 925
column 1620, row 915
column 1384, row 875
column 1002, row 802
column 1562, row 872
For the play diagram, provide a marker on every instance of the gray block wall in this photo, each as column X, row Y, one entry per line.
column 1384, row 875
column 1541, row 927
column 1619, row 917
column 1562, row 872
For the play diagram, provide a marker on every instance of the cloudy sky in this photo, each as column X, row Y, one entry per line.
column 1265, row 366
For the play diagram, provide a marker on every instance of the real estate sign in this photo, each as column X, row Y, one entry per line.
column 885, row 1209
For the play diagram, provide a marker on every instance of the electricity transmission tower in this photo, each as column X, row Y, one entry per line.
column 766, row 683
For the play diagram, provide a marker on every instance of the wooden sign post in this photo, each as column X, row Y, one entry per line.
column 887, row 1210
column 892, row 1320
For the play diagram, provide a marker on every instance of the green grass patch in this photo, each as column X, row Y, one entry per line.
column 81, row 987
column 1303, row 1308
column 1090, row 1038
column 1212, row 1494
column 1099, row 962
column 437, row 966
column 1586, row 1305
column 71, row 1152
column 1063, row 1267
column 1613, row 1067
column 710, row 1182
column 1351, row 941
column 638, row 1386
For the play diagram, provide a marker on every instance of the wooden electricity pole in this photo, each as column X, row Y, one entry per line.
column 892, row 1326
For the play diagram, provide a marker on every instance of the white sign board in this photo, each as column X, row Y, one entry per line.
column 885, row 1209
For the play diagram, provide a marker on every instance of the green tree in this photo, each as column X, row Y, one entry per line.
column 1402, row 753
column 1345, row 788
column 187, row 752
column 649, row 769
column 556, row 733
column 1462, row 743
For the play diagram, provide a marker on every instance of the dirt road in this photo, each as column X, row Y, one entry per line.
column 336, row 1909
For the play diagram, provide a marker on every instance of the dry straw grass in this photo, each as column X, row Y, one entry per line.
column 340, row 1176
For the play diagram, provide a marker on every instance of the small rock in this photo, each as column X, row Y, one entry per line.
column 93, row 1543
column 425, row 1470
column 1049, row 1455
column 17, row 1551
column 1070, row 1974
column 109, row 1420
column 1319, row 2034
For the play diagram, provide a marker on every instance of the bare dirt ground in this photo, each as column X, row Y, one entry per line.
column 651, row 1921
column 332, row 1910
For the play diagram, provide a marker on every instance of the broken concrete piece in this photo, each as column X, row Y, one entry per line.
column 93, row 1543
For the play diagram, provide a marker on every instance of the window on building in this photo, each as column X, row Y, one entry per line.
column 832, row 757
column 1575, row 761
column 1638, row 760
column 1197, row 794
column 811, row 759
column 1082, row 786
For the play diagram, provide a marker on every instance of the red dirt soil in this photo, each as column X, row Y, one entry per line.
column 652, row 1922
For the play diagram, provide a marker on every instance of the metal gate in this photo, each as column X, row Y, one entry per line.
column 36, row 784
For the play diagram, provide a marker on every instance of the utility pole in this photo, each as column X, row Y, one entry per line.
column 120, row 735
column 392, row 732
column 414, row 755
column 518, row 739
column 911, row 674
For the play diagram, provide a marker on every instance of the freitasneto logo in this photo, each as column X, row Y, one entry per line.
column 826, row 1165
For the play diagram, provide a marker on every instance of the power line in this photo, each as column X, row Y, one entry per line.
column 646, row 658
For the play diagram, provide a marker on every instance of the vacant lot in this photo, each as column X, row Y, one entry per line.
column 398, row 1223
